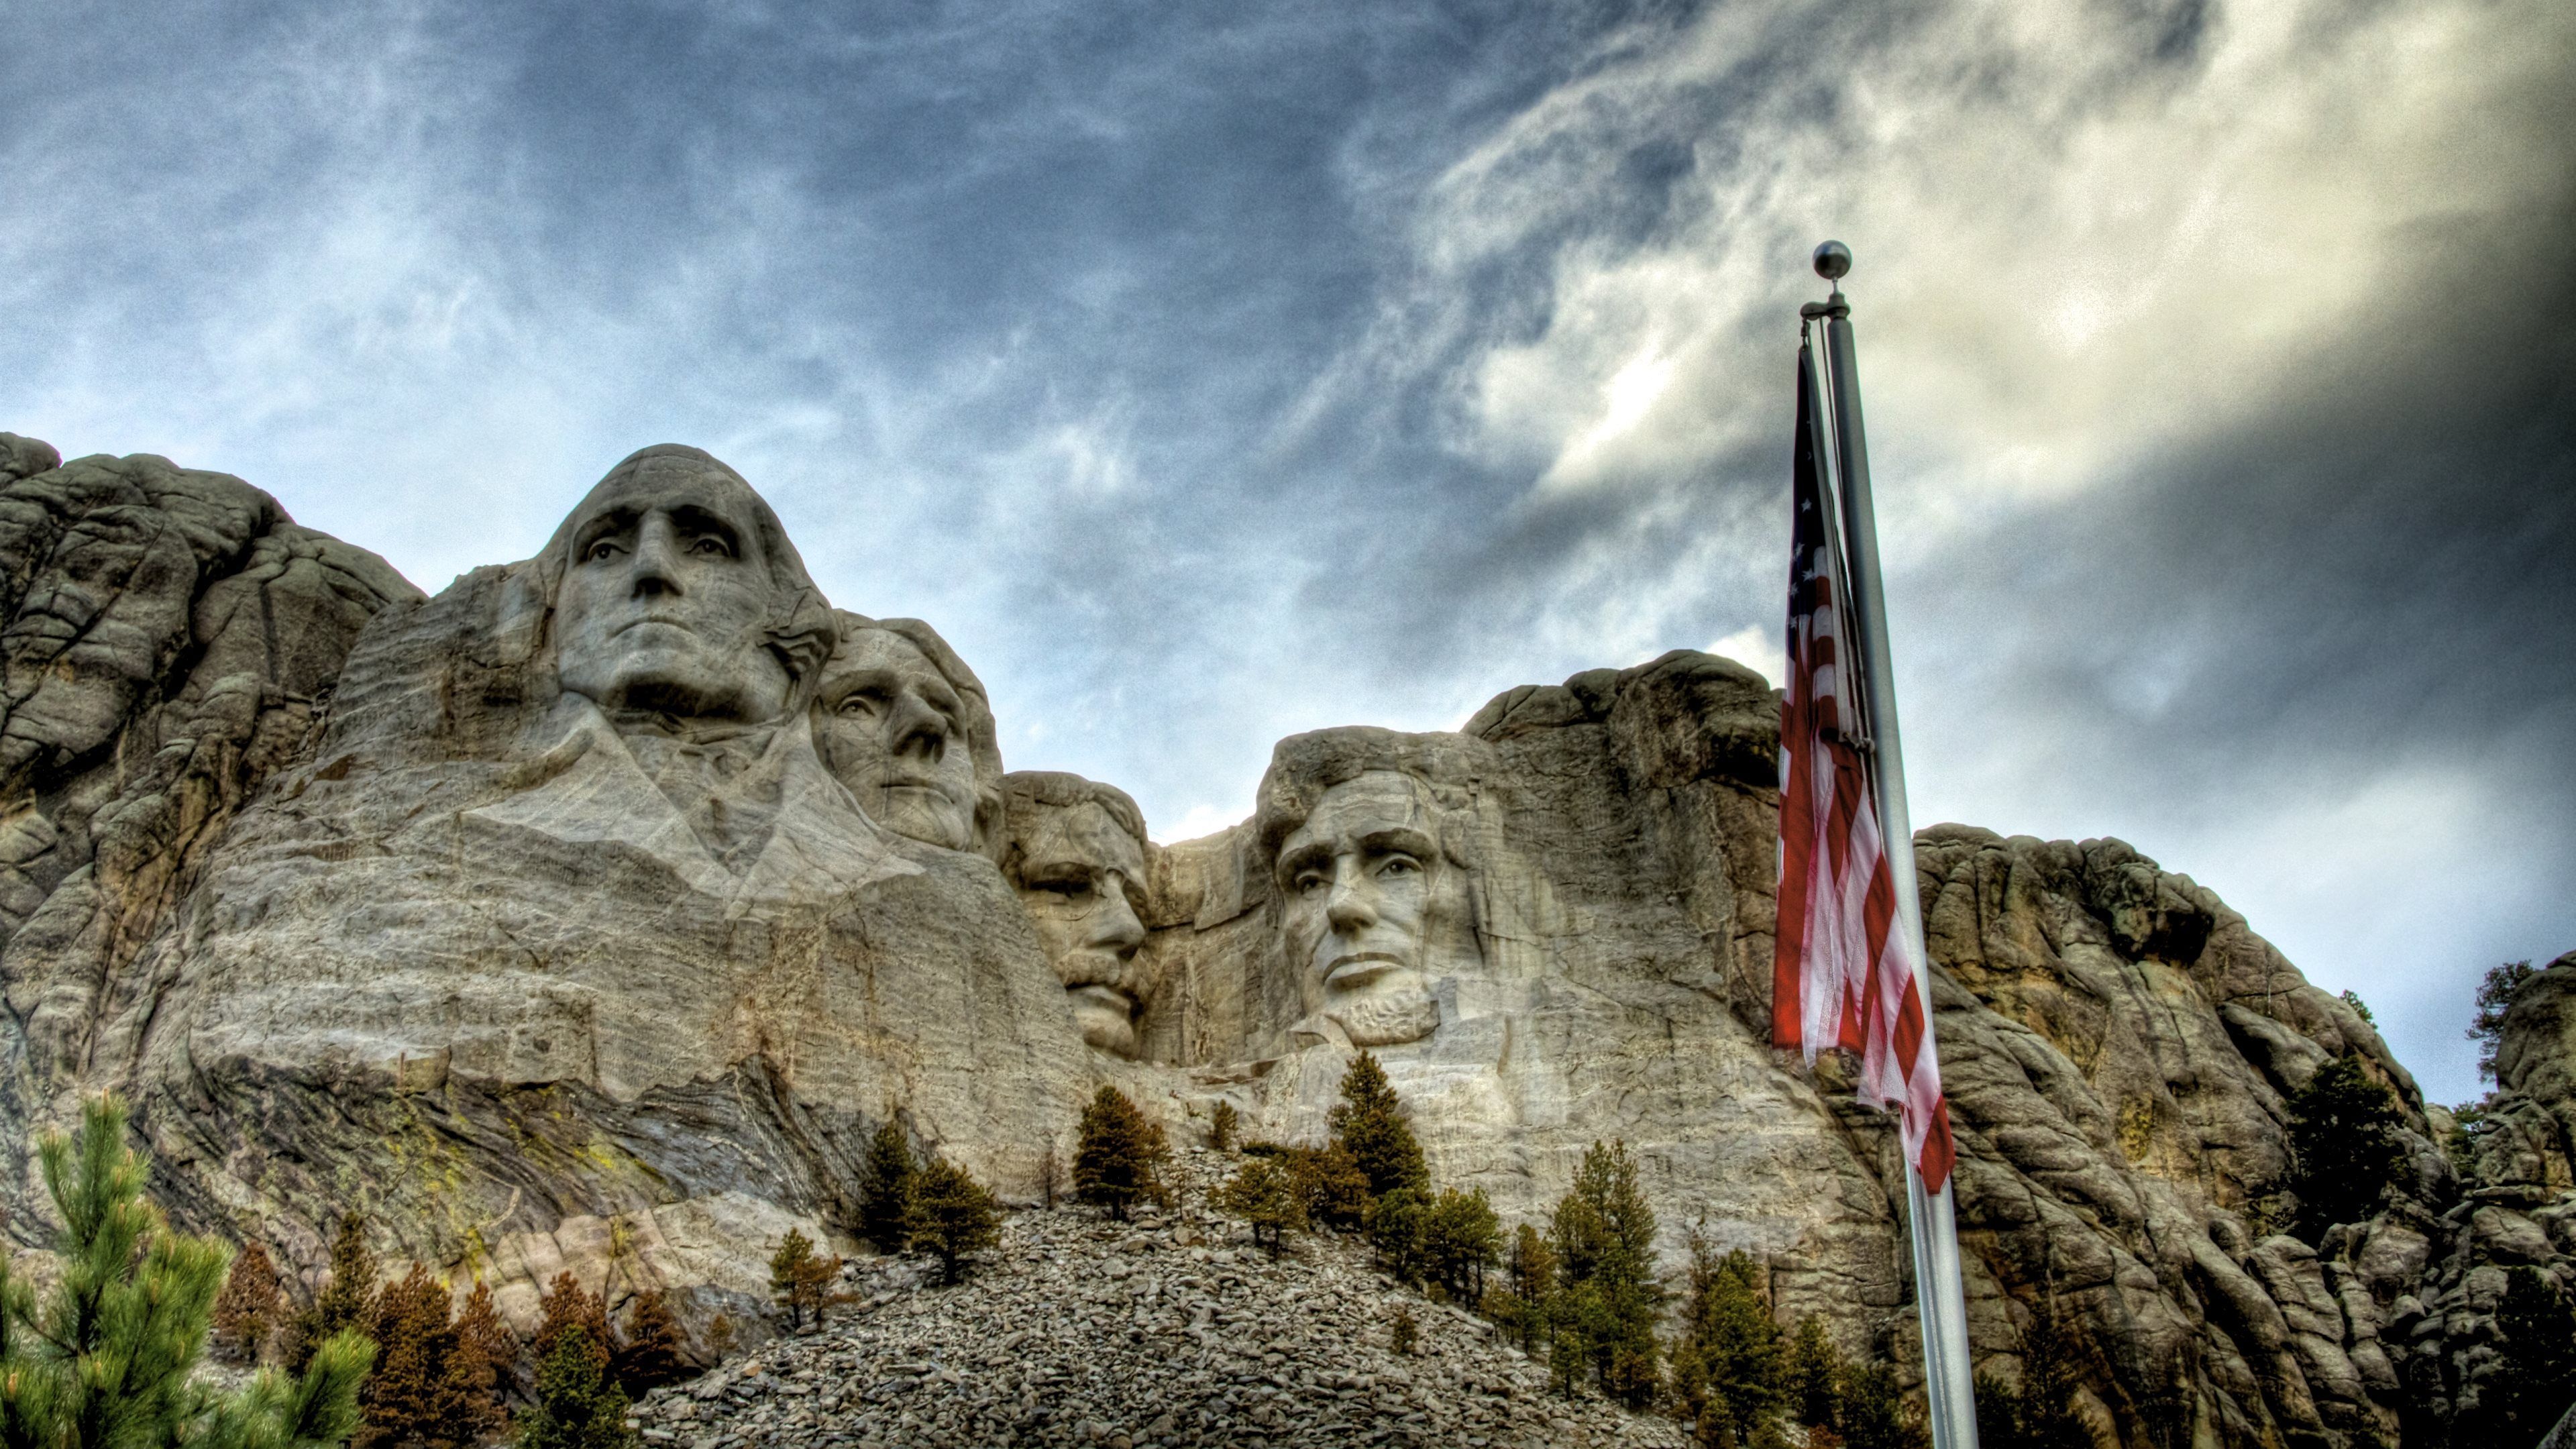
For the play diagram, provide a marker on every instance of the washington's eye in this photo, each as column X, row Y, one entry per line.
column 711, row 546
column 864, row 701
column 602, row 551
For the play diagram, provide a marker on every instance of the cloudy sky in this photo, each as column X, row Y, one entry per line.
column 1212, row 372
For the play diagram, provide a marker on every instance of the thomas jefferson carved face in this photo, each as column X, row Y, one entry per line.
column 1081, row 874
column 894, row 730
column 666, row 596
column 1365, row 881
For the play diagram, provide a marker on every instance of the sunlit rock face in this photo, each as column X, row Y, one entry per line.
column 591, row 914
column 561, row 917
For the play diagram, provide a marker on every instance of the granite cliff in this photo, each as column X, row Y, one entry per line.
column 598, row 908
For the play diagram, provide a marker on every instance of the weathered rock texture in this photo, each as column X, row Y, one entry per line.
column 368, row 908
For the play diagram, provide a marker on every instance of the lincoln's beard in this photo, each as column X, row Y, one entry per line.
column 1389, row 1016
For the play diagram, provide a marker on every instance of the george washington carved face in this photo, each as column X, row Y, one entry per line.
column 669, row 598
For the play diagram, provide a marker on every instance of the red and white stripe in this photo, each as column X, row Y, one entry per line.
column 1842, row 974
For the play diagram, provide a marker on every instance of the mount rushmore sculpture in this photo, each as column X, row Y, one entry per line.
column 595, row 912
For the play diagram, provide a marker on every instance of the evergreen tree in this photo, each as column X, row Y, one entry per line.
column 1262, row 1194
column 649, row 1355
column 2535, row 1379
column 1369, row 1122
column 1729, row 1340
column 1461, row 1238
column 2495, row 993
column 802, row 1278
column 485, row 1359
column 1812, row 1377
column 886, row 1185
column 2050, row 1378
column 1331, row 1190
column 953, row 1216
column 1999, row 1413
column 577, row 1405
column 347, row 1302
column 2344, row 1147
column 1603, row 1233
column 104, row 1362
column 1529, row 1280
column 1221, row 1127
column 1407, row 1334
column 249, row 1309
column 413, row 1397
column 1395, row 1226
column 1121, row 1155
column 1874, row 1412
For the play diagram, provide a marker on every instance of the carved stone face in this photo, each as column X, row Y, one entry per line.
column 1364, row 880
column 1081, row 875
column 665, row 597
column 891, row 728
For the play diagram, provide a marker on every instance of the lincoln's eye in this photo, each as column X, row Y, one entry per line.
column 1400, row 865
column 1310, row 881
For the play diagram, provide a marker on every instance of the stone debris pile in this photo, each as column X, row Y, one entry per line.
column 1168, row 1331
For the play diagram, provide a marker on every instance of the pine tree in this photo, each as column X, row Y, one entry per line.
column 249, row 1309
column 1121, row 1155
column 1529, row 1279
column 1729, row 1339
column 2535, row 1381
column 1395, row 1225
column 1874, row 1412
column 1221, row 1127
column 1811, row 1378
column 1261, row 1193
column 2495, row 993
column 1407, row 1335
column 347, row 1301
column 953, row 1216
column 1369, row 1122
column 479, row 1373
column 411, row 1397
column 578, row 1406
column 1461, row 1238
column 1603, row 1232
column 105, row 1361
column 886, row 1181
column 2344, row 1147
column 1329, row 1185
column 650, row 1355
column 2050, row 1377
column 802, row 1278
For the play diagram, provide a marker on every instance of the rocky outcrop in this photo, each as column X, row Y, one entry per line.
column 171, row 638
column 2516, row 1211
column 536, row 922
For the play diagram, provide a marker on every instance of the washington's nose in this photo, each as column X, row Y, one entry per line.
column 918, row 728
column 1348, row 909
column 656, row 557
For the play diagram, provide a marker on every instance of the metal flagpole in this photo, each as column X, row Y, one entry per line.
column 1939, row 1296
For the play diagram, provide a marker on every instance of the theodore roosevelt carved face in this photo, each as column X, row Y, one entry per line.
column 1076, row 854
column 1364, row 880
column 670, row 598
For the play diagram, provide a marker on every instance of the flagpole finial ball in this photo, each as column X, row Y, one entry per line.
column 1833, row 260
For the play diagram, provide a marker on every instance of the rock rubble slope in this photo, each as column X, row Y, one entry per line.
column 1168, row 1331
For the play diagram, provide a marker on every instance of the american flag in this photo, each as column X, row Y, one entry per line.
column 1842, row 973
